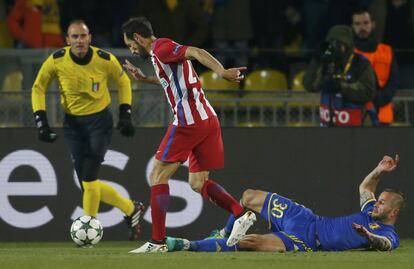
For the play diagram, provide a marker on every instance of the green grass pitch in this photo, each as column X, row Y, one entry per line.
column 112, row 255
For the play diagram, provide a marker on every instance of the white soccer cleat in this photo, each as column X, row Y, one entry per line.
column 151, row 248
column 240, row 227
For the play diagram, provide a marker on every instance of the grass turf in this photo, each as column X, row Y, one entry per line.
column 114, row 255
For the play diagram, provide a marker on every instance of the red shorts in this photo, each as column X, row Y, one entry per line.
column 201, row 143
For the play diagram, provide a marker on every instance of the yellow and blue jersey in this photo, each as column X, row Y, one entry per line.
column 302, row 230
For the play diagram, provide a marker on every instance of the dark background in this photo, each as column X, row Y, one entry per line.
column 320, row 168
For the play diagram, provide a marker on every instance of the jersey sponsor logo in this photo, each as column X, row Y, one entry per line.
column 373, row 226
column 176, row 50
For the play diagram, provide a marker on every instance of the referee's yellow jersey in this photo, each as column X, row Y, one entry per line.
column 83, row 86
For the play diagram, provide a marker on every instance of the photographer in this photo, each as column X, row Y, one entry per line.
column 346, row 80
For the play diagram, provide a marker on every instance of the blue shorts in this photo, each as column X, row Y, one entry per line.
column 294, row 224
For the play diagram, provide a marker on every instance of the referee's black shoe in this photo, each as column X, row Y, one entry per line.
column 134, row 219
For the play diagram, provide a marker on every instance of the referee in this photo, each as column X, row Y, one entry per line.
column 82, row 72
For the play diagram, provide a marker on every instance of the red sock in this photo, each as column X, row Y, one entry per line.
column 218, row 195
column 160, row 200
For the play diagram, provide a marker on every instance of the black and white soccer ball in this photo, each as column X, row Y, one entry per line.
column 86, row 231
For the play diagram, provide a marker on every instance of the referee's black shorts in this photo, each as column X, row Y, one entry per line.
column 88, row 138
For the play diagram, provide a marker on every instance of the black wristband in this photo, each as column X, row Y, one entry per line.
column 40, row 119
column 125, row 111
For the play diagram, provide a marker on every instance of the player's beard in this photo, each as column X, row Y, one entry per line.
column 143, row 52
column 380, row 216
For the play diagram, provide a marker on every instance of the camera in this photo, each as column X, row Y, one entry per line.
column 331, row 51
column 331, row 54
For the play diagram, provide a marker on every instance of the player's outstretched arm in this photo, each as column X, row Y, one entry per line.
column 137, row 74
column 369, row 184
column 206, row 59
column 377, row 242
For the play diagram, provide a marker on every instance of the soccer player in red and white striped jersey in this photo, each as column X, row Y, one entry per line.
column 195, row 133
column 180, row 82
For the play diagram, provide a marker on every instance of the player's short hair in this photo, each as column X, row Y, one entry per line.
column 399, row 201
column 76, row 21
column 139, row 25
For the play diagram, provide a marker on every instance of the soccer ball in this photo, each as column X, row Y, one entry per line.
column 86, row 231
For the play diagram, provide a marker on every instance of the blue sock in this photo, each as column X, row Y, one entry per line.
column 211, row 245
column 229, row 224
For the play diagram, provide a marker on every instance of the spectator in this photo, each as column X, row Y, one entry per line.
column 321, row 15
column 395, row 23
column 277, row 28
column 266, row 28
column 100, row 25
column 395, row 27
column 399, row 24
column 6, row 40
column 293, row 27
column 231, row 30
column 181, row 20
column 35, row 24
column 383, row 62
column 105, row 26
column 346, row 80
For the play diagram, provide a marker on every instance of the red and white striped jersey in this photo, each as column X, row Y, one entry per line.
column 180, row 82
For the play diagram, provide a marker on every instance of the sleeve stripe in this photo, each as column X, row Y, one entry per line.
column 366, row 202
